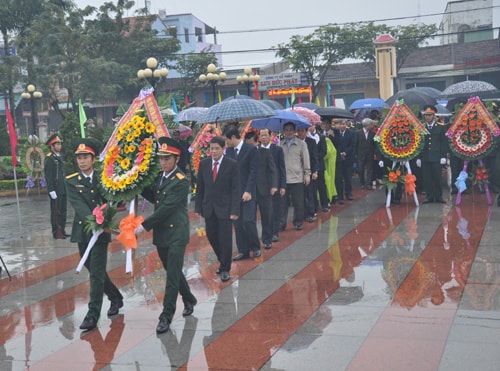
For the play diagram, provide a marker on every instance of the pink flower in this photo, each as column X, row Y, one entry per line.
column 98, row 213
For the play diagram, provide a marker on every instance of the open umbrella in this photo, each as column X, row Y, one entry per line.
column 433, row 92
column 276, row 122
column 470, row 88
column 412, row 97
column 310, row 115
column 272, row 103
column 236, row 109
column 368, row 103
column 184, row 131
column 191, row 114
column 168, row 112
column 310, row 105
column 334, row 112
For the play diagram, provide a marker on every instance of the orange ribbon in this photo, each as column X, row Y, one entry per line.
column 127, row 227
column 410, row 183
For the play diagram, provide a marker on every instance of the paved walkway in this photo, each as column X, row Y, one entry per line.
column 361, row 288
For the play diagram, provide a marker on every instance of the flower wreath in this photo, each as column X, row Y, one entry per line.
column 101, row 218
column 201, row 144
column 471, row 136
column 399, row 137
column 131, row 165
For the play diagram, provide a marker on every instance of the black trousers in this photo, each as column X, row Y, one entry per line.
column 220, row 236
column 295, row 192
column 265, row 204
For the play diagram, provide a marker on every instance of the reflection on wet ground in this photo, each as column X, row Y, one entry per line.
column 364, row 287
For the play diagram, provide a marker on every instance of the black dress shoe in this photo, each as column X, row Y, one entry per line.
column 282, row 227
column 349, row 197
column 267, row 246
column 325, row 209
column 88, row 324
column 240, row 257
column 427, row 201
column 310, row 219
column 257, row 253
column 224, row 276
column 299, row 227
column 163, row 325
column 275, row 238
column 114, row 308
column 188, row 308
column 341, row 202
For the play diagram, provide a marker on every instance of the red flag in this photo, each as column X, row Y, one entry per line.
column 186, row 100
column 12, row 134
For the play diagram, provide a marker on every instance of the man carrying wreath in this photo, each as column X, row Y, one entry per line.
column 170, row 224
column 85, row 195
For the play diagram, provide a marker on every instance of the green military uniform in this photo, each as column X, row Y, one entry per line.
column 435, row 148
column 170, row 225
column 84, row 196
column 54, row 178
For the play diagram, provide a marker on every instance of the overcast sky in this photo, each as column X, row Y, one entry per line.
column 291, row 16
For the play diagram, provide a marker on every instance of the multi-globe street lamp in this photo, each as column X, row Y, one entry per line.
column 212, row 77
column 248, row 79
column 152, row 74
column 32, row 95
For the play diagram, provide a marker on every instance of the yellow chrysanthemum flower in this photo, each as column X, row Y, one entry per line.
column 125, row 163
column 150, row 128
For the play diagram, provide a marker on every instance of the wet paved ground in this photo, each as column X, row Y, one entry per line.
column 361, row 288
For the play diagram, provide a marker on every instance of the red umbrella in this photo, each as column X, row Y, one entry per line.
column 184, row 130
column 309, row 114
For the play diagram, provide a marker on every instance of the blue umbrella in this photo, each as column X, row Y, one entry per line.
column 368, row 103
column 276, row 122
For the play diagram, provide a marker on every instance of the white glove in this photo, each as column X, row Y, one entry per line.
column 53, row 195
column 139, row 229
column 381, row 163
column 418, row 162
column 442, row 161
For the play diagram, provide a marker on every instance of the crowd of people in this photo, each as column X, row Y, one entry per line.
column 310, row 169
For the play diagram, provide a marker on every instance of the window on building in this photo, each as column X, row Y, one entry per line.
column 186, row 35
column 172, row 31
column 198, row 34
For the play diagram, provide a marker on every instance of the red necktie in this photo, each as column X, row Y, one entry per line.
column 214, row 171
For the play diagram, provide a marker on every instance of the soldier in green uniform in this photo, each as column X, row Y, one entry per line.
column 84, row 195
column 433, row 156
column 170, row 224
column 54, row 177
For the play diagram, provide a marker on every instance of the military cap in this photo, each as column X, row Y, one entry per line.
column 54, row 138
column 168, row 146
column 86, row 145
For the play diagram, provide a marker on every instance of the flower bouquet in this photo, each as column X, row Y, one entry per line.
column 131, row 165
column 101, row 220
column 393, row 178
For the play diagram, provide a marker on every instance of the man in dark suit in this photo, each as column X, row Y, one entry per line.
column 247, row 156
column 433, row 156
column 267, row 185
column 170, row 224
column 345, row 143
column 279, row 161
column 84, row 195
column 218, row 201
column 56, row 186
column 365, row 149
column 317, row 135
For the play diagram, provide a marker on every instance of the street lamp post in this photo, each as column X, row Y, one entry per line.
column 32, row 94
column 247, row 78
column 213, row 78
column 152, row 74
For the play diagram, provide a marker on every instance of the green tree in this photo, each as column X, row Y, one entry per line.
column 191, row 66
column 319, row 52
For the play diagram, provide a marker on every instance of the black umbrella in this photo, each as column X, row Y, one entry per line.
column 433, row 92
column 412, row 97
column 334, row 112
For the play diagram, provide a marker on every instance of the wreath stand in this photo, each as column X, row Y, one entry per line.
column 406, row 164
column 461, row 186
column 34, row 160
